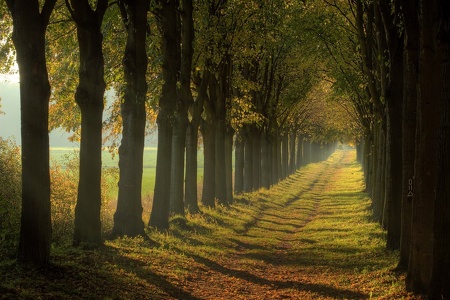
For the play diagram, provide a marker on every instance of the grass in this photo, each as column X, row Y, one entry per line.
column 111, row 160
column 309, row 237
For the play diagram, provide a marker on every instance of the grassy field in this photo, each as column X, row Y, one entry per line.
column 60, row 155
column 309, row 237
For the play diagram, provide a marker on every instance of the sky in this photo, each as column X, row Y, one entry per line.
column 10, row 118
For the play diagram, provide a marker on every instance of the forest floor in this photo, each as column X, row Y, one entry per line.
column 309, row 237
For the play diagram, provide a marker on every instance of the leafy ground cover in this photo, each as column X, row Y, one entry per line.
column 309, row 237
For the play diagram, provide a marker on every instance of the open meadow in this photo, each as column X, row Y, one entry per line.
column 111, row 160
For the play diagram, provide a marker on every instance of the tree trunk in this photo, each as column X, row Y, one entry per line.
column 209, row 165
column 170, row 48
column 428, row 107
column 248, row 161
column 368, row 158
column 209, row 146
column 299, row 160
column 315, row 152
column 378, row 173
column 177, row 161
column 265, row 161
column 256, row 159
column 306, row 152
column 393, row 186
column 89, row 97
column 408, row 128
column 128, row 215
column 29, row 41
column 229, row 164
column 159, row 216
column 381, row 180
column 279, row 160
column 393, row 95
column 439, row 287
column 191, row 201
column 285, row 155
column 292, row 153
column 239, row 165
column 273, row 159
column 196, row 109
column 221, row 187
column 181, row 110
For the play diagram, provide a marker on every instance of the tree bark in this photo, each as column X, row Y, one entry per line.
column 408, row 127
column 428, row 107
column 279, row 160
column 440, row 277
column 292, row 152
column 248, row 161
column 89, row 97
column 209, row 146
column 265, row 161
column 306, row 152
column 29, row 27
column 273, row 159
column 209, row 165
column 191, row 202
column 299, row 159
column 128, row 215
column 191, row 181
column 181, row 110
column 256, row 159
column 285, row 155
column 393, row 98
column 177, row 162
column 220, row 170
column 168, row 25
column 229, row 164
column 239, row 165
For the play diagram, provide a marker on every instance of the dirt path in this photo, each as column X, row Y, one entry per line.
column 294, row 250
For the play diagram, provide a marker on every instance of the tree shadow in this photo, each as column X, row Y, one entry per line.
column 140, row 268
column 320, row 289
column 247, row 246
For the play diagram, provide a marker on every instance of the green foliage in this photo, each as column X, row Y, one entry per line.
column 10, row 195
column 6, row 46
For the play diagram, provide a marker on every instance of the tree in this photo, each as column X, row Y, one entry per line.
column 440, row 275
column 89, row 97
column 128, row 216
column 411, row 47
column 426, row 210
column 393, row 95
column 195, row 111
column 29, row 27
column 181, row 110
column 170, row 46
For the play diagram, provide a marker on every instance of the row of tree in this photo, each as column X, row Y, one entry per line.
column 235, row 71
column 393, row 66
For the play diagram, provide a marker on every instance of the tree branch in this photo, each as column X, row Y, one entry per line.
column 47, row 11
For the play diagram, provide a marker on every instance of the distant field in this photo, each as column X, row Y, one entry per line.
column 60, row 155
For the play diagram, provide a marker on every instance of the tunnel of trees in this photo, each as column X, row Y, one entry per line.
column 276, row 84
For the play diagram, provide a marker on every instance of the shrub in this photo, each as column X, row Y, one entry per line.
column 10, row 195
column 64, row 187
